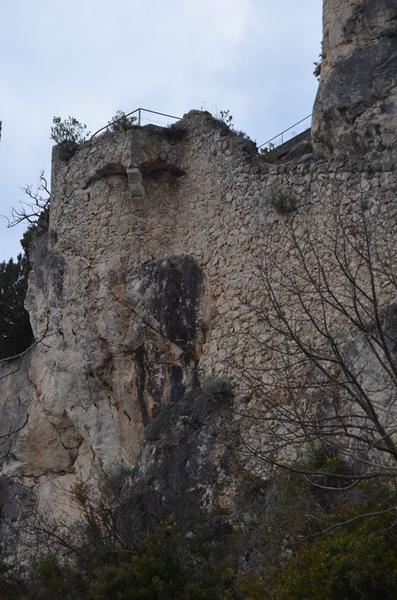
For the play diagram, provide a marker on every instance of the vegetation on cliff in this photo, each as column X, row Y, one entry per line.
column 15, row 330
column 273, row 549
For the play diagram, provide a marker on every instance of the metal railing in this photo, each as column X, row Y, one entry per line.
column 141, row 116
column 284, row 136
column 138, row 120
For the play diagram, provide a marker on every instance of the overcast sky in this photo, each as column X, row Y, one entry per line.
column 89, row 58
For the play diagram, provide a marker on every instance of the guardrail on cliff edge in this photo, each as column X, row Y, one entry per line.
column 141, row 116
column 139, row 119
column 284, row 136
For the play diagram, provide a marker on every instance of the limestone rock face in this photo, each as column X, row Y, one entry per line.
column 145, row 284
column 117, row 306
column 356, row 104
column 185, row 463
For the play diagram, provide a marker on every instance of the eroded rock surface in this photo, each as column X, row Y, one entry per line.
column 186, row 464
column 146, row 283
column 355, row 109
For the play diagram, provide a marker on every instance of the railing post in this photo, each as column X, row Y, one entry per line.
column 139, row 117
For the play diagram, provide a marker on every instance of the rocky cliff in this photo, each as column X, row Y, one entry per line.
column 146, row 282
column 357, row 100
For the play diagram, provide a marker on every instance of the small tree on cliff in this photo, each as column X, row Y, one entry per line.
column 328, row 323
column 68, row 130
column 121, row 122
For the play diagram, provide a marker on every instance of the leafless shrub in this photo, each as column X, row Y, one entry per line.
column 328, row 320
column 34, row 210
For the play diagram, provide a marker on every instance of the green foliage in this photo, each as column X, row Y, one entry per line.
column 226, row 117
column 53, row 580
column 249, row 586
column 326, row 468
column 120, row 122
column 219, row 387
column 203, row 556
column 36, row 229
column 282, row 199
column 68, row 130
column 195, row 561
column 15, row 330
column 269, row 153
column 169, row 563
column 155, row 571
column 353, row 563
column 9, row 586
column 318, row 64
column 174, row 131
column 317, row 69
column 266, row 149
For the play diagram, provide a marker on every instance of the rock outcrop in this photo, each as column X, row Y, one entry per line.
column 146, row 282
column 354, row 112
column 137, row 291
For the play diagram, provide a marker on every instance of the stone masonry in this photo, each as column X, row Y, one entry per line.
column 135, row 293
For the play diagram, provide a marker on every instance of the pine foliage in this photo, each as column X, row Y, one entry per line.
column 15, row 331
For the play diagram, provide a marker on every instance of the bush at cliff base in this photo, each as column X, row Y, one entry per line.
column 350, row 563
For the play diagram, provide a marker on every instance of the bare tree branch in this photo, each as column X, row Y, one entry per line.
column 36, row 208
column 328, row 298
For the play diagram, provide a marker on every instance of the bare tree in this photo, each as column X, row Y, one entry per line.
column 33, row 211
column 328, row 323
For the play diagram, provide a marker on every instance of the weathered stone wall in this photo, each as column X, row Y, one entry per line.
column 137, row 288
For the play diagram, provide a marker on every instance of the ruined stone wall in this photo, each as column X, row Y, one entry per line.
column 137, row 289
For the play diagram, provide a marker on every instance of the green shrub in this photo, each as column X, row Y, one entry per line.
column 54, row 580
column 219, row 387
column 318, row 64
column 68, row 130
column 120, row 122
column 269, row 154
column 249, row 586
column 197, row 561
column 173, row 562
column 36, row 229
column 154, row 571
column 351, row 563
column 326, row 468
column 226, row 117
column 283, row 200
